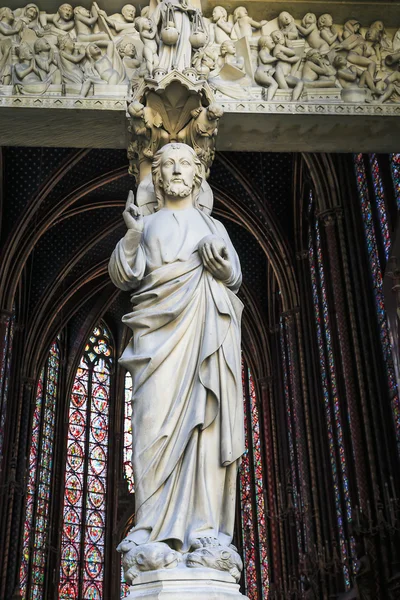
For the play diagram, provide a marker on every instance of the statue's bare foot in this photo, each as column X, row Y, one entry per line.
column 204, row 542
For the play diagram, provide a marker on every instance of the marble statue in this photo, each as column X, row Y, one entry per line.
column 184, row 357
column 85, row 24
column 317, row 71
column 173, row 18
column 104, row 67
column 327, row 30
column 264, row 74
column 222, row 29
column 148, row 35
column 310, row 31
column 288, row 26
column 287, row 60
column 8, row 28
column 62, row 20
column 123, row 22
column 244, row 24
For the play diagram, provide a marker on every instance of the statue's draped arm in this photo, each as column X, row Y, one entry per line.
column 128, row 262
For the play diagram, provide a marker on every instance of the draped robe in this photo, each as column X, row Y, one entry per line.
column 184, row 358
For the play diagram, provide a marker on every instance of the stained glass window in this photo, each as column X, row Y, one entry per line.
column 84, row 511
column 380, row 203
column 377, row 281
column 5, row 364
column 36, row 526
column 128, row 470
column 253, row 512
column 124, row 586
column 395, row 167
column 333, row 417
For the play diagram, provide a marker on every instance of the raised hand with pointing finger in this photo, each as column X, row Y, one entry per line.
column 132, row 216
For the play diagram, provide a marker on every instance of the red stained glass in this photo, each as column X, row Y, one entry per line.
column 36, row 528
column 86, row 471
column 253, row 521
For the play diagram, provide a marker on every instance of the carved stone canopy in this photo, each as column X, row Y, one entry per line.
column 176, row 108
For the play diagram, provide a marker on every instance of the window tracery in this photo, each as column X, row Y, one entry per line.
column 84, row 511
column 375, row 268
column 252, row 501
column 328, row 378
column 40, row 467
column 5, row 367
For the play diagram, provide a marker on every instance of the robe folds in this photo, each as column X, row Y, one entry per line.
column 184, row 358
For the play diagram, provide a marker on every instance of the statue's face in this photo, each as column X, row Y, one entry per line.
column 130, row 50
column 31, row 13
column 218, row 13
column 310, row 18
column 66, row 12
column 25, row 53
column 95, row 51
column 278, row 37
column 285, row 18
column 129, row 12
column 177, row 171
column 326, row 20
column 8, row 15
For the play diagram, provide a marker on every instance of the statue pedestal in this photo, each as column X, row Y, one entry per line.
column 183, row 583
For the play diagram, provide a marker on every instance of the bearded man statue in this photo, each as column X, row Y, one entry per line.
column 184, row 358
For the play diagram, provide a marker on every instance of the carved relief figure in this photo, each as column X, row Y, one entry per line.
column 63, row 20
column 287, row 26
column 147, row 126
column 188, row 428
column 352, row 76
column 359, row 52
column 204, row 61
column 70, row 64
column 148, row 34
column 228, row 56
column 201, row 131
column 25, row 70
column 310, row 31
column 327, row 30
column 5, row 62
column 244, row 24
column 317, row 72
column 7, row 28
column 45, row 62
column 104, row 67
column 174, row 15
column 30, row 19
column 85, row 22
column 221, row 28
column 128, row 54
column 286, row 60
column 123, row 22
column 266, row 70
column 391, row 90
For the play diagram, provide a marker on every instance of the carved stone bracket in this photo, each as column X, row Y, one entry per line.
column 176, row 107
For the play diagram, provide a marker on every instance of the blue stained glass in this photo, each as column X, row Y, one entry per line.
column 330, row 392
column 377, row 280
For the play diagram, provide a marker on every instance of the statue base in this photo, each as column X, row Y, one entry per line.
column 184, row 583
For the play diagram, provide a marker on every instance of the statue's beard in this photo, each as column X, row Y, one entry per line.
column 179, row 190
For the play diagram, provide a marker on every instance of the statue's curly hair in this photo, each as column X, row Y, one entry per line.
column 156, row 172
